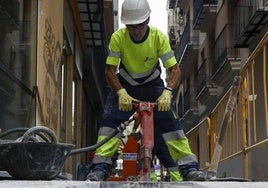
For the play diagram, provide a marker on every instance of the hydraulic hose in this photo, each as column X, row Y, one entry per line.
column 47, row 132
column 120, row 128
column 94, row 147
column 21, row 130
column 16, row 130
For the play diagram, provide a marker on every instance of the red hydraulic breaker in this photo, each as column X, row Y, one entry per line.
column 145, row 113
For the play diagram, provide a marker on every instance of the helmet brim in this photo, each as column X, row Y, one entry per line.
column 136, row 21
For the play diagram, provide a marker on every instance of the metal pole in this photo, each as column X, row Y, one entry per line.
column 244, row 112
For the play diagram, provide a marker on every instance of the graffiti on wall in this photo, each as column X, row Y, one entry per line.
column 52, row 82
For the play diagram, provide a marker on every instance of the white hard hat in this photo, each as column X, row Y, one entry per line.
column 135, row 11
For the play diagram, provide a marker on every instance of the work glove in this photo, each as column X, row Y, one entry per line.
column 164, row 101
column 125, row 100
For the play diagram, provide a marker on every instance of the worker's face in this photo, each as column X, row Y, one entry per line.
column 138, row 31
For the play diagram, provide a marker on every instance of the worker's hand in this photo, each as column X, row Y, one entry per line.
column 164, row 101
column 125, row 100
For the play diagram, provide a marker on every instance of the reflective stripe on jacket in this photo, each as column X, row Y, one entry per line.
column 139, row 62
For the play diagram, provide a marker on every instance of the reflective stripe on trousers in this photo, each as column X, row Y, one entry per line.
column 179, row 148
column 106, row 151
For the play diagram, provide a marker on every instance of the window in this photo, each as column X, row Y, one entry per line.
column 17, row 62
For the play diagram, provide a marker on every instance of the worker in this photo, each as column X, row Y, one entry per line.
column 133, row 72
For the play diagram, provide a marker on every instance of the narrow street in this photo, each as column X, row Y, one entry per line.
column 54, row 60
column 87, row 184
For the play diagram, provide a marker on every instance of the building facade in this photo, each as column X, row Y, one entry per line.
column 52, row 74
column 52, row 68
column 215, row 41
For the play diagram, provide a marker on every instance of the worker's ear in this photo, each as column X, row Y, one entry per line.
column 148, row 20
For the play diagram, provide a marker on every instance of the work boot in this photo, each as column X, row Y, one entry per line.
column 194, row 175
column 97, row 175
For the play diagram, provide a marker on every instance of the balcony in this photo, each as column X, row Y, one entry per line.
column 177, row 3
column 204, row 14
column 96, row 31
column 226, row 58
column 173, row 4
column 204, row 84
column 207, row 91
column 91, row 15
column 187, row 50
column 250, row 22
column 183, row 3
column 188, row 109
